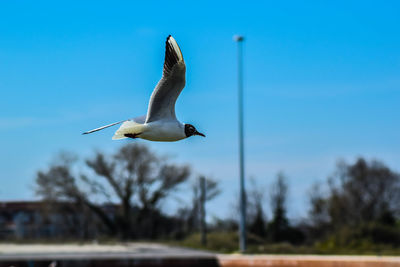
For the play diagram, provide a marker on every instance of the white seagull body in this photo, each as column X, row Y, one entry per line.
column 160, row 123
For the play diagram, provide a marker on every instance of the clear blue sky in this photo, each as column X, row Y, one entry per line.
column 322, row 82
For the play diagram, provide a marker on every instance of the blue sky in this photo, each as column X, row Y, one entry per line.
column 322, row 82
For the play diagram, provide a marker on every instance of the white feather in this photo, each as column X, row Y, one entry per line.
column 128, row 127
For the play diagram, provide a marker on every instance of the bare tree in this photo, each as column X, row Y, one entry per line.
column 192, row 213
column 318, row 213
column 255, row 215
column 363, row 196
column 278, row 226
column 134, row 177
column 255, row 210
column 362, row 192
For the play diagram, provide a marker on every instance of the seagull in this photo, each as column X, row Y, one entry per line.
column 160, row 122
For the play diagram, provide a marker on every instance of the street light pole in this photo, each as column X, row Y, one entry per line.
column 242, row 227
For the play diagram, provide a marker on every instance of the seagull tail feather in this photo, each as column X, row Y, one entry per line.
column 118, row 137
column 103, row 127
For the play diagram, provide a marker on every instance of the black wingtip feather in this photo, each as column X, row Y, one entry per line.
column 171, row 56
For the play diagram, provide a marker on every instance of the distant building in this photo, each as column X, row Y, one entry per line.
column 44, row 220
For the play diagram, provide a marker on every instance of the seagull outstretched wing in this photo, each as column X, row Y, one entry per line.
column 163, row 98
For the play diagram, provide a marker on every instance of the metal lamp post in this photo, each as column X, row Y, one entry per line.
column 242, row 228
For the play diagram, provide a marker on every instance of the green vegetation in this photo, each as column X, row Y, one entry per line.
column 226, row 242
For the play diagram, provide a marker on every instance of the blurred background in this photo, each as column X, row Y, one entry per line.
column 321, row 98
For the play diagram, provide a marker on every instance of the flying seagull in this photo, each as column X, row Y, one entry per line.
column 160, row 123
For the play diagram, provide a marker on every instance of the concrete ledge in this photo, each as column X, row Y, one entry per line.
column 149, row 255
column 133, row 254
column 112, row 262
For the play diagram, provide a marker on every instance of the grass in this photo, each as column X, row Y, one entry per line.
column 227, row 242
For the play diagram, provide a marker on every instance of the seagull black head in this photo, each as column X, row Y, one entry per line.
column 190, row 130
